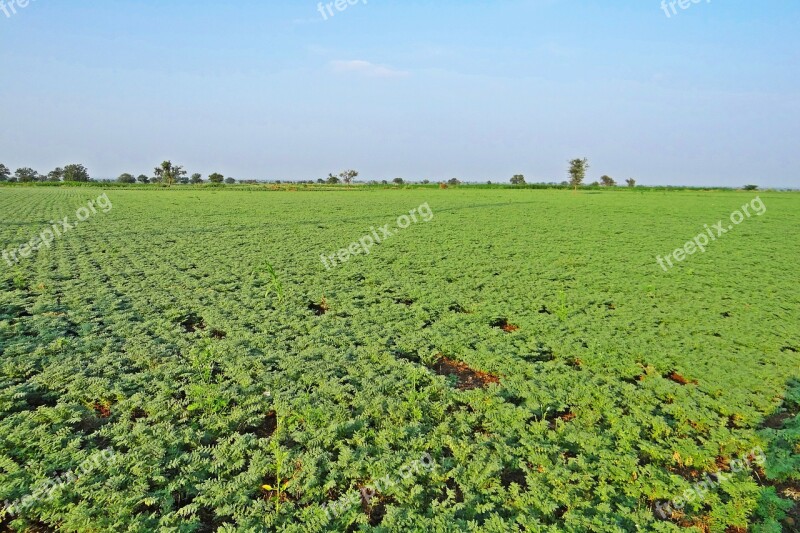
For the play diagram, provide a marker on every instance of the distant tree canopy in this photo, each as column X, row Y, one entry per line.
column 454, row 182
column 577, row 171
column 216, row 177
column 230, row 181
column 398, row 181
column 4, row 173
column 348, row 176
column 631, row 182
column 168, row 173
column 26, row 175
column 518, row 179
column 76, row 172
column 57, row 174
column 751, row 187
column 143, row 179
column 126, row 178
column 196, row 178
column 607, row 181
column 333, row 180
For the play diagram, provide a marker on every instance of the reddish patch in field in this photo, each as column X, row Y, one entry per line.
column 505, row 325
column 677, row 378
column 468, row 378
column 103, row 410
column 564, row 416
column 702, row 523
column 319, row 308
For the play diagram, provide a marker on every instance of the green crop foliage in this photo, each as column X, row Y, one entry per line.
column 527, row 339
column 275, row 283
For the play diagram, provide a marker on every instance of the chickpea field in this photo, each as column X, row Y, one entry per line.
column 209, row 359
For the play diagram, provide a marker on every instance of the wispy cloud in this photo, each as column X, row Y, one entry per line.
column 366, row 68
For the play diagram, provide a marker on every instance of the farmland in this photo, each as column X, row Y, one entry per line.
column 517, row 362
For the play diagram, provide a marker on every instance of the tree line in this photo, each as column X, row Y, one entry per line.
column 26, row 175
column 577, row 175
column 168, row 173
column 171, row 174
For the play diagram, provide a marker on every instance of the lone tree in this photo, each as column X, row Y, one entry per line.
column 143, row 179
column 577, row 172
column 26, row 175
column 196, row 178
column 216, row 177
column 518, row 179
column 57, row 174
column 631, row 182
column 751, row 187
column 76, row 173
column 454, row 182
column 168, row 173
column 398, row 181
column 333, row 180
column 126, row 178
column 230, row 181
column 4, row 172
column 608, row 181
column 348, row 176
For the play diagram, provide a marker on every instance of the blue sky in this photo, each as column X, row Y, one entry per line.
column 478, row 90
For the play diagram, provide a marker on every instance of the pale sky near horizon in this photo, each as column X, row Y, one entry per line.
column 476, row 89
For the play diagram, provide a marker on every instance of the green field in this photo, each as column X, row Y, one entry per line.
column 518, row 362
